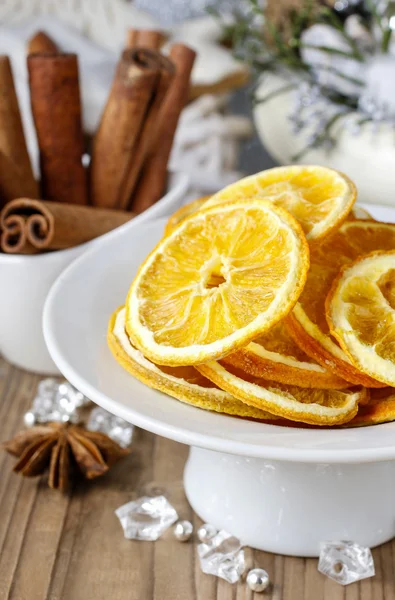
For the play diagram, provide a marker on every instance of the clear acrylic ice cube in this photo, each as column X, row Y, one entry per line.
column 345, row 562
column 116, row 428
column 71, row 394
column 146, row 518
column 47, row 388
column 56, row 401
column 223, row 557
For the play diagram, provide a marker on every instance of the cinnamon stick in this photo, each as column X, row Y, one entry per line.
column 40, row 42
column 34, row 225
column 131, row 38
column 145, row 38
column 153, row 178
column 13, row 238
column 13, row 147
column 56, row 107
column 10, row 180
column 121, row 123
column 147, row 135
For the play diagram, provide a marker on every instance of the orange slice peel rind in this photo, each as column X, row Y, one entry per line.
column 318, row 197
column 183, row 212
column 315, row 407
column 307, row 323
column 379, row 409
column 183, row 383
column 275, row 356
column 360, row 310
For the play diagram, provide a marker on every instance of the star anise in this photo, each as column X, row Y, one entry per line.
column 63, row 448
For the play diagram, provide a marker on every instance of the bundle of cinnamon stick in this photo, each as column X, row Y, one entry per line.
column 134, row 140
column 127, row 170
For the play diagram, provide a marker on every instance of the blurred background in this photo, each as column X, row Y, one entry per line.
column 316, row 77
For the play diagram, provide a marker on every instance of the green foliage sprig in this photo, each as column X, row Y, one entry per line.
column 265, row 47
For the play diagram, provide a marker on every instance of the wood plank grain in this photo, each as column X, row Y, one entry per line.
column 10, row 420
column 173, row 561
column 55, row 547
column 25, row 495
column 115, row 565
column 64, row 551
column 205, row 585
column 17, row 497
column 294, row 578
column 41, row 539
column 313, row 581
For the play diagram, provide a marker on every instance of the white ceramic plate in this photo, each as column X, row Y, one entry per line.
column 75, row 323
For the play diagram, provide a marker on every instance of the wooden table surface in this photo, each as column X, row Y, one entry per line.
column 55, row 547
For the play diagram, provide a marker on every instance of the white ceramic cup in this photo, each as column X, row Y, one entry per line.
column 26, row 281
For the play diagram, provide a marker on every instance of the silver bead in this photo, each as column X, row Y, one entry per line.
column 206, row 532
column 258, row 580
column 183, row 531
column 29, row 419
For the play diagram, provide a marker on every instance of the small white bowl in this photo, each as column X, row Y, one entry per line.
column 26, row 281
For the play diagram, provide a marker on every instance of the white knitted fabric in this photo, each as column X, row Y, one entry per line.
column 103, row 21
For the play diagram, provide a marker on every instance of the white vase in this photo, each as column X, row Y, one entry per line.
column 367, row 157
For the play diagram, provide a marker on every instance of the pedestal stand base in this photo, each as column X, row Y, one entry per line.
column 288, row 508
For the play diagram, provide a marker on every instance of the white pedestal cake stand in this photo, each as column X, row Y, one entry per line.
column 278, row 489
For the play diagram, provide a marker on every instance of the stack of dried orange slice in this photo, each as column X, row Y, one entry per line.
column 260, row 302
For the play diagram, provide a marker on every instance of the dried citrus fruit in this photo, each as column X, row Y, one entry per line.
column 184, row 383
column 275, row 356
column 223, row 276
column 360, row 311
column 307, row 323
column 318, row 197
column 379, row 409
column 184, row 212
column 317, row 407
column 326, row 351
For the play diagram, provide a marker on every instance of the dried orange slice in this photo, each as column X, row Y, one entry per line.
column 316, row 407
column 356, row 213
column 275, row 356
column 318, row 197
column 360, row 311
column 184, row 212
column 184, row 383
column 307, row 323
column 379, row 409
column 223, row 276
